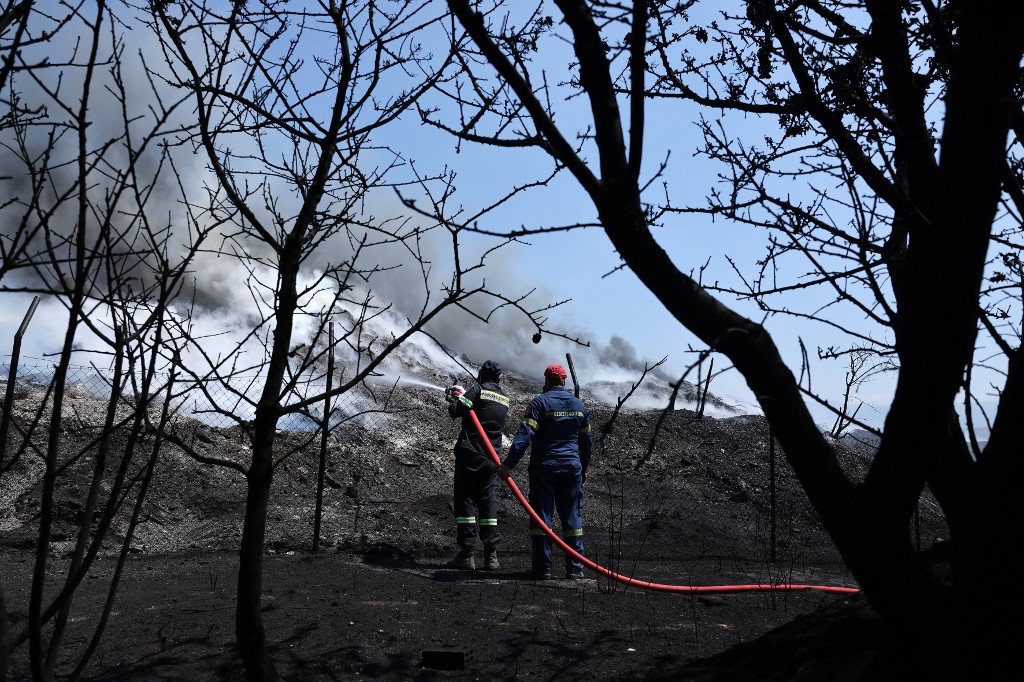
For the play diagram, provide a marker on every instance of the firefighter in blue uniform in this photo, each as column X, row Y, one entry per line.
column 558, row 425
column 476, row 477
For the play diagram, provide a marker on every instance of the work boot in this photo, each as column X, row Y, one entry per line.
column 463, row 560
column 491, row 559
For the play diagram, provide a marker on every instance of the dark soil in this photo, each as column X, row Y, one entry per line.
column 377, row 601
column 340, row 616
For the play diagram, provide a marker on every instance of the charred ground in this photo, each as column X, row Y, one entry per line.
column 695, row 509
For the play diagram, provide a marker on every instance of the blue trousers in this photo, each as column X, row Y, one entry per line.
column 562, row 490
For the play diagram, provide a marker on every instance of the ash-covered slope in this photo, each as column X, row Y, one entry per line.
column 667, row 485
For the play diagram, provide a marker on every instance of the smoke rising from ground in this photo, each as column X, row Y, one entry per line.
column 231, row 284
column 39, row 141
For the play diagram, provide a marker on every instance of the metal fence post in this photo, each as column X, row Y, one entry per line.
column 771, row 488
column 325, row 429
column 917, row 527
column 12, row 377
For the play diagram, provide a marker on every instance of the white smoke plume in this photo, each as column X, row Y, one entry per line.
column 226, row 309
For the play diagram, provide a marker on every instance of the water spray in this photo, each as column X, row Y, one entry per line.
column 419, row 382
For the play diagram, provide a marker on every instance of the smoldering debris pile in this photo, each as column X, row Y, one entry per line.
column 662, row 486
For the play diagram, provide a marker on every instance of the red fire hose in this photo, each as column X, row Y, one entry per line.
column 689, row 589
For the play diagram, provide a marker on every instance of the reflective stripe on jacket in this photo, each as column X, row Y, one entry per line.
column 491, row 407
column 558, row 425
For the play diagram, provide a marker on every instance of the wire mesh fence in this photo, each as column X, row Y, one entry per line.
column 705, row 491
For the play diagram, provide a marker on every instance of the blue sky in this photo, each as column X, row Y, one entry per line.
column 573, row 265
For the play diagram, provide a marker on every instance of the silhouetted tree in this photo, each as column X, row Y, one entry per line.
column 85, row 225
column 290, row 98
column 882, row 173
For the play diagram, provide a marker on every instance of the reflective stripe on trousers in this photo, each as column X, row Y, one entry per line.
column 563, row 491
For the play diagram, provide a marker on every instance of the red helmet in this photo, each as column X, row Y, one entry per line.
column 555, row 371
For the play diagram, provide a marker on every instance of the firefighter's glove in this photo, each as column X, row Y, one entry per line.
column 453, row 392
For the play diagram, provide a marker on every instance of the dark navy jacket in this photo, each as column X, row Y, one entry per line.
column 491, row 407
column 558, row 425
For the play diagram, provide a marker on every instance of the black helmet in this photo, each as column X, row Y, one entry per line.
column 490, row 370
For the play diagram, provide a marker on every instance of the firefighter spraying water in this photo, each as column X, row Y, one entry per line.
column 575, row 558
column 476, row 479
